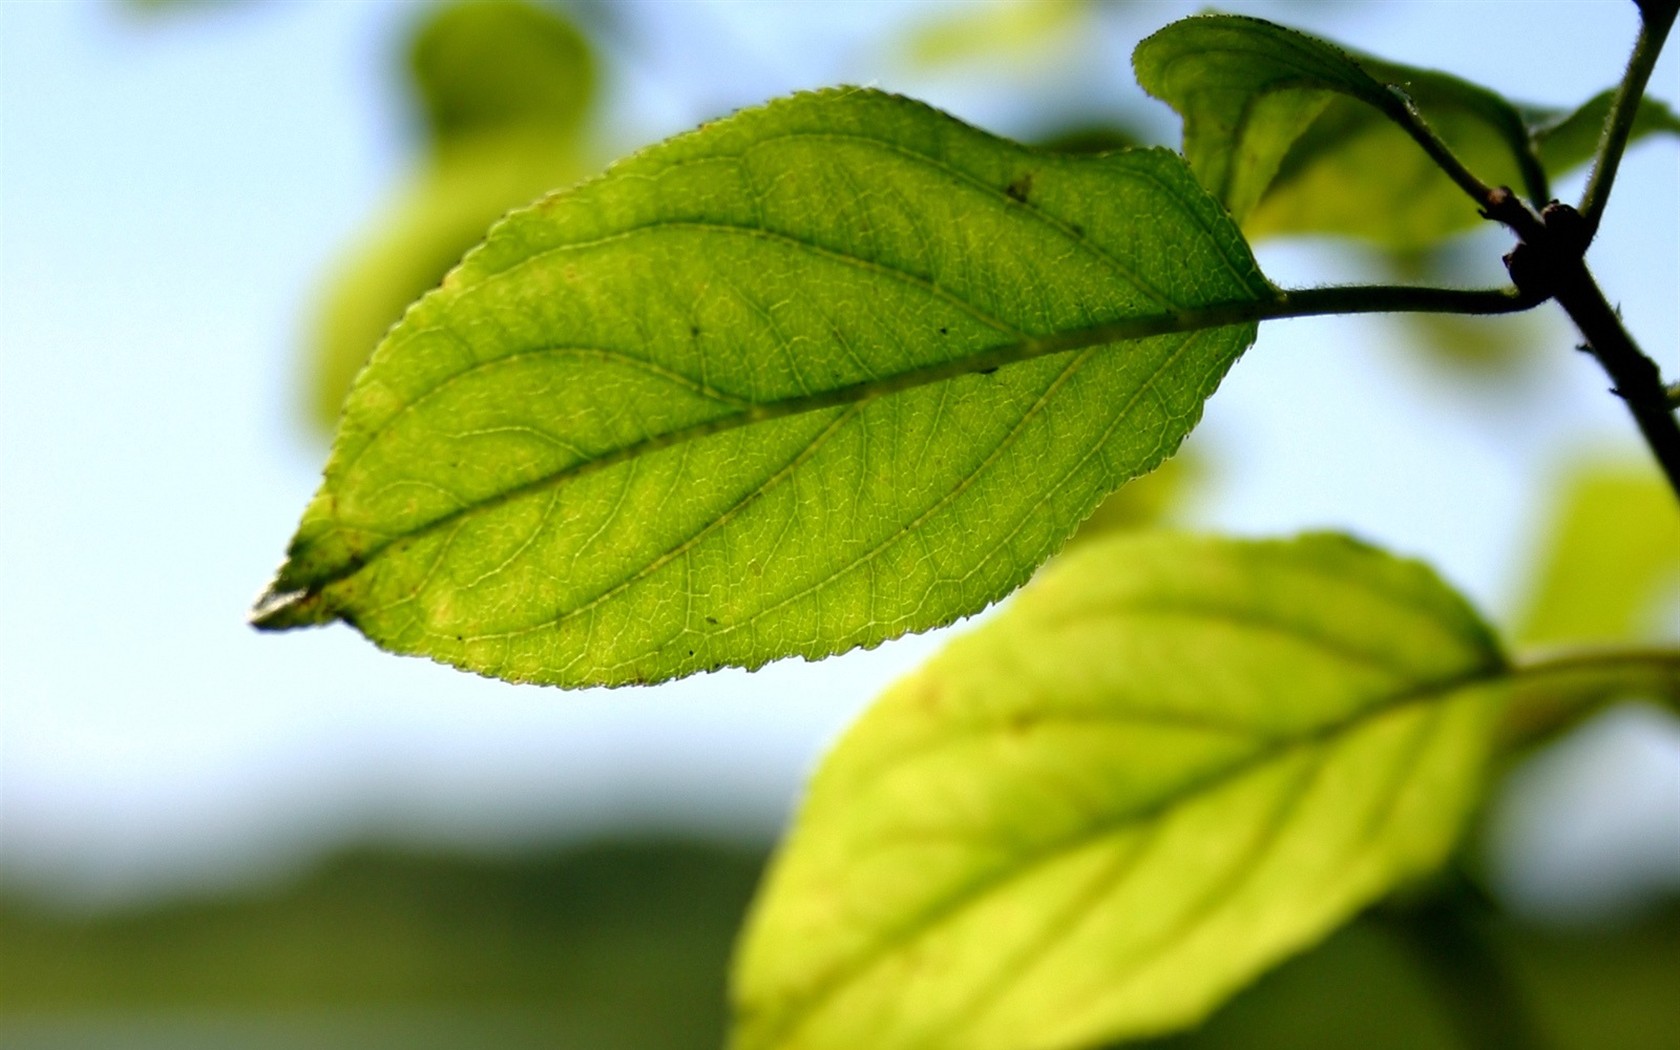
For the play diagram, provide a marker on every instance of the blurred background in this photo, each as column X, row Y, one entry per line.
column 209, row 211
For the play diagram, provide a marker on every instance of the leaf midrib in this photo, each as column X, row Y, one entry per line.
column 1267, row 752
column 1223, row 314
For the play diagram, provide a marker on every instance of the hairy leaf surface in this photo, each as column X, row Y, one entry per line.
column 805, row 379
column 1170, row 763
column 1296, row 135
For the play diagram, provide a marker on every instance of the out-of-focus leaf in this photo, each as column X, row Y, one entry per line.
column 506, row 86
column 486, row 65
column 1563, row 689
column 805, row 379
column 1492, row 351
column 1143, row 502
column 409, row 249
column 1585, row 989
column 1612, row 554
column 999, row 30
column 1090, row 138
column 1568, row 140
column 1169, row 764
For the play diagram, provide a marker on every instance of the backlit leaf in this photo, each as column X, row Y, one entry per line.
column 419, row 239
column 1568, row 140
column 805, row 379
column 487, row 65
column 1612, row 554
column 505, row 88
column 1299, row 136
column 1169, row 764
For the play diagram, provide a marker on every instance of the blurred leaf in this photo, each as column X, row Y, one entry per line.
column 1462, row 348
column 1143, row 502
column 805, row 379
column 170, row 8
column 1586, row 990
column 1559, row 690
column 1170, row 763
column 486, row 65
column 1567, row 140
column 613, row 946
column 1090, row 138
column 999, row 30
column 506, row 86
column 1612, row 554
column 421, row 237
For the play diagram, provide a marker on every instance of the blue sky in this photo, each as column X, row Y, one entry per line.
column 172, row 193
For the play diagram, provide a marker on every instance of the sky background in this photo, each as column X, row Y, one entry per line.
column 173, row 192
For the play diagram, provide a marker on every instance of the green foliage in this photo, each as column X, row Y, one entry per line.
column 843, row 367
column 488, row 65
column 1588, row 989
column 571, row 466
column 1168, row 764
column 1298, row 136
column 504, row 89
column 1567, row 140
column 1612, row 556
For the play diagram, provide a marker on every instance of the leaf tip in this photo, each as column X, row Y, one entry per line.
column 280, row 609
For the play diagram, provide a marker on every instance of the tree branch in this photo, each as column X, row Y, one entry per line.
column 1549, row 262
column 1658, row 18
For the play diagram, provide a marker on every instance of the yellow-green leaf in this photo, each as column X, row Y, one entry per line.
column 487, row 65
column 1297, row 135
column 1169, row 764
column 1611, row 555
column 418, row 240
column 1568, row 140
column 805, row 379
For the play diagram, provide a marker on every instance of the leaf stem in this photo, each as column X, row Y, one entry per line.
column 1657, row 20
column 1403, row 111
column 1557, row 689
column 1549, row 262
column 1388, row 299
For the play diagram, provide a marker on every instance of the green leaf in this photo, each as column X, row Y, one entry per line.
column 1296, row 135
column 487, row 65
column 998, row 32
column 1584, row 988
column 1612, row 555
column 804, row 379
column 420, row 238
column 1567, row 140
column 1169, row 764
column 1554, row 693
column 505, row 88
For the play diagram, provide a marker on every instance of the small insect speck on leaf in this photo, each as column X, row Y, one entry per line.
column 1021, row 188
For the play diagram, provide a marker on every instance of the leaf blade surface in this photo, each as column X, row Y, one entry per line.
column 805, row 379
column 1170, row 763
